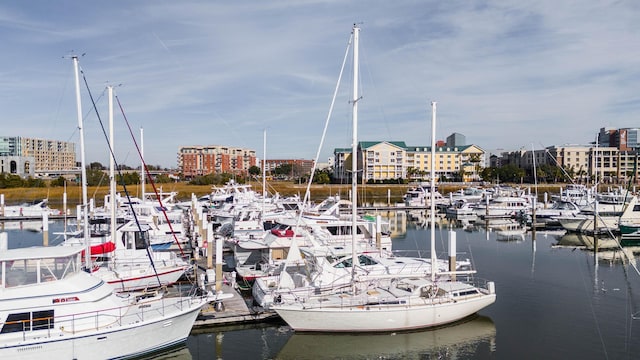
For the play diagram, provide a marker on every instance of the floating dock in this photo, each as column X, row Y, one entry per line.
column 235, row 310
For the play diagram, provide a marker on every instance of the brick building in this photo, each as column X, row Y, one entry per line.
column 200, row 160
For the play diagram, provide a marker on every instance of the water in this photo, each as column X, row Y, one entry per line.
column 555, row 300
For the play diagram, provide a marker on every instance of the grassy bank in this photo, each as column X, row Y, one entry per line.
column 366, row 193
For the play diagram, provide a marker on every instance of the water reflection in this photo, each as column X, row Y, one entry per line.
column 606, row 249
column 178, row 353
column 472, row 338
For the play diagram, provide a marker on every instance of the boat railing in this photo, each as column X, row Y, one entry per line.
column 374, row 298
column 138, row 310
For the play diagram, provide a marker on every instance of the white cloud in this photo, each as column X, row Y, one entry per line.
column 506, row 74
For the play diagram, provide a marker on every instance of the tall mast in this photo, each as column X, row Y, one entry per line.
column 354, row 152
column 112, row 176
column 432, row 214
column 83, row 169
column 142, row 169
column 264, row 168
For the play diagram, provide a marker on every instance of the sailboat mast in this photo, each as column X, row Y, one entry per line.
column 432, row 215
column 354, row 152
column 112, row 171
column 142, row 169
column 83, row 169
column 264, row 167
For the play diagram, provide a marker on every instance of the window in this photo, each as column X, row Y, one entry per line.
column 26, row 321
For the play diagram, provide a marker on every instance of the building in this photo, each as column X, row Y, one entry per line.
column 625, row 139
column 299, row 167
column 389, row 160
column 29, row 156
column 215, row 159
column 17, row 165
column 456, row 139
column 580, row 162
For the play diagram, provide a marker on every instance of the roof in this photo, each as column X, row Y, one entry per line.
column 40, row 252
column 401, row 144
column 368, row 144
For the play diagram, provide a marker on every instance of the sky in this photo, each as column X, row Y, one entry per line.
column 505, row 74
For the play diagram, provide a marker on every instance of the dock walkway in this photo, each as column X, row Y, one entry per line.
column 235, row 310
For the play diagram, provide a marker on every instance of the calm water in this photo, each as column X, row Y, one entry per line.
column 555, row 300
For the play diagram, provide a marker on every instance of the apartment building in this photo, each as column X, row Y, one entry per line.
column 582, row 162
column 29, row 156
column 298, row 166
column 200, row 160
column 384, row 160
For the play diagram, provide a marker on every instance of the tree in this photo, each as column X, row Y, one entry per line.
column 96, row 176
column 96, row 166
column 322, row 178
column 31, row 182
column 163, row 179
column 10, row 181
column 475, row 160
column 283, row 169
column 60, row 181
column 411, row 172
column 128, row 178
column 511, row 173
column 254, row 170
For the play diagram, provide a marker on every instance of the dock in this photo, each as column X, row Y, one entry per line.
column 236, row 310
column 34, row 218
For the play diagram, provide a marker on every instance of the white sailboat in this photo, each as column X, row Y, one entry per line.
column 392, row 302
column 131, row 263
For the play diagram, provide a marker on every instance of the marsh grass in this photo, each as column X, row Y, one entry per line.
column 366, row 193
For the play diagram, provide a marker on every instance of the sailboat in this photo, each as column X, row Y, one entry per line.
column 131, row 263
column 391, row 302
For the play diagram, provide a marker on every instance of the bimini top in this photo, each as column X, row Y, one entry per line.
column 40, row 252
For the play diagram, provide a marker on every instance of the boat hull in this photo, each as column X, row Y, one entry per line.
column 110, row 342
column 586, row 224
column 380, row 318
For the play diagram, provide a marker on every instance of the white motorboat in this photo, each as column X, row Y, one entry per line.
column 557, row 208
column 33, row 209
column 52, row 308
column 419, row 194
column 460, row 208
column 503, row 206
column 133, row 265
column 257, row 256
column 328, row 269
column 606, row 220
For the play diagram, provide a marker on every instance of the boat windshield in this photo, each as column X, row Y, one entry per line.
column 33, row 271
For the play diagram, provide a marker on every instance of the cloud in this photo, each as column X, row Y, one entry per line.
column 505, row 74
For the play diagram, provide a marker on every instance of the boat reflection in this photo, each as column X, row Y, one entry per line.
column 469, row 337
column 506, row 229
column 606, row 248
column 179, row 353
column 33, row 226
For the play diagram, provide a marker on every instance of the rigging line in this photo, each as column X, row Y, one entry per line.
column 564, row 172
column 629, row 299
column 365, row 58
column 148, row 174
column 93, row 102
column 307, row 193
column 326, row 124
column 135, row 216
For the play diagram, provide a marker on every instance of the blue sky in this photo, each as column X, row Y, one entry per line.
column 506, row 74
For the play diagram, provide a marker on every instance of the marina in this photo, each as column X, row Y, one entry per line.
column 551, row 283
